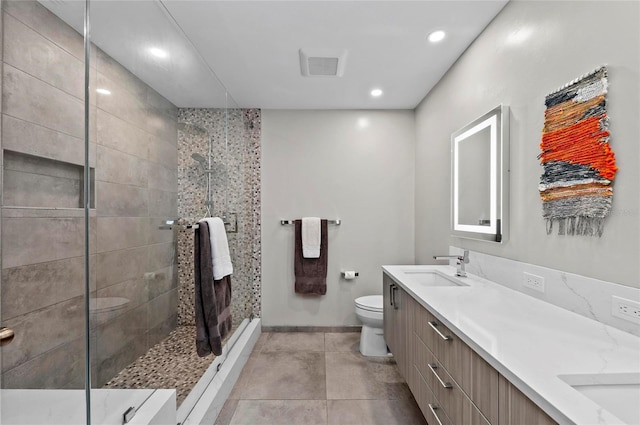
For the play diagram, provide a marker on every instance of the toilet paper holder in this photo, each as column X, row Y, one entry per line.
column 344, row 273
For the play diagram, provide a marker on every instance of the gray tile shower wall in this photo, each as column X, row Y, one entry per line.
column 235, row 190
column 133, row 135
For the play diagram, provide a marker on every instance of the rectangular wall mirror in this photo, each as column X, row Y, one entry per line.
column 480, row 177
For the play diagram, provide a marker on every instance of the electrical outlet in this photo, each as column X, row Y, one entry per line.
column 625, row 309
column 532, row 281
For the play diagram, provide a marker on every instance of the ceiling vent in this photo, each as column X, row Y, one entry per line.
column 322, row 62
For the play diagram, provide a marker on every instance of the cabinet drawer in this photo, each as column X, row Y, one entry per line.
column 441, row 384
column 450, row 351
column 423, row 358
column 428, row 403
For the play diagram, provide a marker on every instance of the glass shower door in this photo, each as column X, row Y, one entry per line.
column 136, row 339
column 42, row 223
column 156, row 162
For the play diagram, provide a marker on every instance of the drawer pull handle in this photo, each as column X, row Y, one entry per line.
column 434, row 326
column 433, row 368
column 433, row 409
column 395, row 301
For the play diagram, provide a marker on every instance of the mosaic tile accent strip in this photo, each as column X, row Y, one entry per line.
column 172, row 363
column 234, row 158
column 253, row 123
column 579, row 165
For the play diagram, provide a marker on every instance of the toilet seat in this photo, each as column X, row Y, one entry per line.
column 370, row 303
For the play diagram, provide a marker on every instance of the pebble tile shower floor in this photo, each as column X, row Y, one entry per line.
column 172, row 363
column 316, row 378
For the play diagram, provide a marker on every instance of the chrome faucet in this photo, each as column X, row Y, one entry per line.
column 462, row 260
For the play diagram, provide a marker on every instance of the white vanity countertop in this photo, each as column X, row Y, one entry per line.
column 529, row 341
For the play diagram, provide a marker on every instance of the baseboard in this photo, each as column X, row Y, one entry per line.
column 335, row 329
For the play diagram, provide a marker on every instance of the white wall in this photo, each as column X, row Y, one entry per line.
column 567, row 39
column 322, row 163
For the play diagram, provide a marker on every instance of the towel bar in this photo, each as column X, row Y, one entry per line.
column 336, row 222
column 178, row 226
column 173, row 223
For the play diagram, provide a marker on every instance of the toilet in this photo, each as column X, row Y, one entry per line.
column 369, row 312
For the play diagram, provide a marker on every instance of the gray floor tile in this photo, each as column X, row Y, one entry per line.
column 245, row 376
column 374, row 412
column 287, row 375
column 264, row 336
column 352, row 376
column 314, row 378
column 280, row 412
column 294, row 341
column 227, row 412
column 342, row 341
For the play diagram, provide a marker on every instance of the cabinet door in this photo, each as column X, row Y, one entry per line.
column 398, row 324
column 389, row 289
column 517, row 409
column 472, row 415
column 484, row 387
column 402, row 330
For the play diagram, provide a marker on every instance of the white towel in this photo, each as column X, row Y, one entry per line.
column 220, row 257
column 311, row 237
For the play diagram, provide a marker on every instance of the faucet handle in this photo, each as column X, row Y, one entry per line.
column 465, row 257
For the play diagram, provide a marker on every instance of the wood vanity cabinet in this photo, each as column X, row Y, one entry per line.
column 451, row 383
column 516, row 408
column 397, row 331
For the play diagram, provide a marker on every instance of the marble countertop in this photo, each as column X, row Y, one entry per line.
column 530, row 342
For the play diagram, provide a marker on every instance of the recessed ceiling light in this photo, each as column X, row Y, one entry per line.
column 376, row 92
column 159, row 53
column 103, row 91
column 436, row 36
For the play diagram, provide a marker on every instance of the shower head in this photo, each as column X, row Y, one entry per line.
column 201, row 159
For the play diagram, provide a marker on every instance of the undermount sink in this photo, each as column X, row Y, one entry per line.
column 432, row 278
column 617, row 393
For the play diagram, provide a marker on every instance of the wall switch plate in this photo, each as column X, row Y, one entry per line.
column 625, row 309
column 534, row 282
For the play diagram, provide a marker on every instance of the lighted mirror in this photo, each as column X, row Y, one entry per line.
column 480, row 184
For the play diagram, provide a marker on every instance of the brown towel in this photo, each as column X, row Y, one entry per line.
column 212, row 298
column 311, row 273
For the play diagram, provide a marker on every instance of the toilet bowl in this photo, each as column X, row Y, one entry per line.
column 369, row 312
column 106, row 308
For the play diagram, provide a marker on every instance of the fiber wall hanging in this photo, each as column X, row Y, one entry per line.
column 579, row 165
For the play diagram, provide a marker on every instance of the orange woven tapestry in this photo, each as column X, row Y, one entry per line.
column 579, row 165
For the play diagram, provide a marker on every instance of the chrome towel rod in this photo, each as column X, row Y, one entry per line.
column 171, row 224
column 336, row 222
column 178, row 226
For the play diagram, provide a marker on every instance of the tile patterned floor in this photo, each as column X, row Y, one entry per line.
column 172, row 363
column 316, row 378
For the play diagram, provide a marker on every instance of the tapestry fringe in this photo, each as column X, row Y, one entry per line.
column 579, row 226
